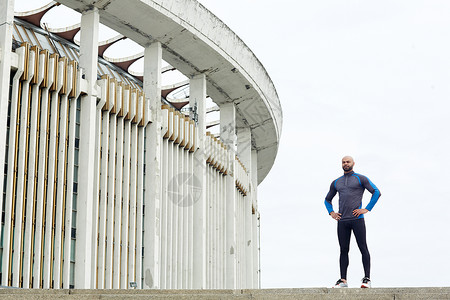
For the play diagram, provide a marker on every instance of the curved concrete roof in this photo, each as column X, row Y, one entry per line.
column 195, row 41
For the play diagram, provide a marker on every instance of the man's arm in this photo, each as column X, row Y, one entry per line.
column 328, row 203
column 373, row 190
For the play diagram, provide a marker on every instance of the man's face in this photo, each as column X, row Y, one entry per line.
column 347, row 164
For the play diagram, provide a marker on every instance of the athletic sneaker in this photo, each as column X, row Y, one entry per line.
column 340, row 284
column 366, row 282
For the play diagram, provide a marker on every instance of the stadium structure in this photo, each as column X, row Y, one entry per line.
column 113, row 180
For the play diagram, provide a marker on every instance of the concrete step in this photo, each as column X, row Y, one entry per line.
column 309, row 293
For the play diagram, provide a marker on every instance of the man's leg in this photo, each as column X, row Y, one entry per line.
column 344, row 234
column 359, row 229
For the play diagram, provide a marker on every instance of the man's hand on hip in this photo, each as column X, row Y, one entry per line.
column 336, row 216
column 358, row 212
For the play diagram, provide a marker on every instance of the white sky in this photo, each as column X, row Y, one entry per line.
column 368, row 79
column 363, row 78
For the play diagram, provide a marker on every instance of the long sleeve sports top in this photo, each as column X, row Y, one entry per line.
column 351, row 188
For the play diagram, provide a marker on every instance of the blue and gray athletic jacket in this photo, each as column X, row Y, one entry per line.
column 351, row 188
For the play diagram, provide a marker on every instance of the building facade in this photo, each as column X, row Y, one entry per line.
column 109, row 182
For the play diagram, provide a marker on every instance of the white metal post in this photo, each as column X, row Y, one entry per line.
column 7, row 232
column 228, row 137
column 6, row 29
column 255, row 220
column 102, row 207
column 110, row 203
column 33, row 162
column 197, row 99
column 88, row 62
column 21, row 162
column 41, row 184
column 152, row 90
column 244, row 146
column 70, row 177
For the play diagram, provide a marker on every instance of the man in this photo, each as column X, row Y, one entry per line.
column 350, row 217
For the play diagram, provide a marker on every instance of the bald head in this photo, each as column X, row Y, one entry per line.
column 347, row 164
column 347, row 158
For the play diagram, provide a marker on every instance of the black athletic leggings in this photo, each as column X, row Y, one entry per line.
column 344, row 233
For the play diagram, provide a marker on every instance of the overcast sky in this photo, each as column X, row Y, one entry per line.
column 369, row 79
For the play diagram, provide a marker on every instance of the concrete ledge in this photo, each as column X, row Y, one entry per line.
column 310, row 293
column 375, row 293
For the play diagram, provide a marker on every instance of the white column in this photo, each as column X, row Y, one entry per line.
column 138, row 199
column 255, row 220
column 97, row 177
column 119, row 205
column 110, row 204
column 88, row 62
column 152, row 196
column 169, row 207
column 228, row 137
column 6, row 24
column 22, row 166
column 186, row 217
column 129, row 227
column 228, row 125
column 10, row 187
column 102, row 208
column 128, row 253
column 69, row 198
column 197, row 98
column 136, row 144
column 32, row 180
column 60, row 194
column 164, row 210
column 174, row 201
column 51, row 195
column 244, row 146
column 42, row 180
column 122, row 208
